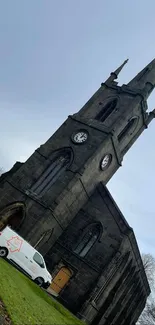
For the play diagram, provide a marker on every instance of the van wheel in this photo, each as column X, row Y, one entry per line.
column 3, row 252
column 39, row 282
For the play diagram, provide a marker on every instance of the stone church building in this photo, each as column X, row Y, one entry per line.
column 58, row 201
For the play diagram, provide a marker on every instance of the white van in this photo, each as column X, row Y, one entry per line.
column 24, row 256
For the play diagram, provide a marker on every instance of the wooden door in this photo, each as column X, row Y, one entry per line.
column 61, row 279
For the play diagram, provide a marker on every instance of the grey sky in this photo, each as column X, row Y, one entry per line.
column 53, row 57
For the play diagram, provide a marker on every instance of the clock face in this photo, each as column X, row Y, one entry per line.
column 80, row 137
column 106, row 161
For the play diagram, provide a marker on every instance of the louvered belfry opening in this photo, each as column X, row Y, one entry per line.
column 107, row 109
column 129, row 127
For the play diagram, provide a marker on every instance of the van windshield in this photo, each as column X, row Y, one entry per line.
column 39, row 260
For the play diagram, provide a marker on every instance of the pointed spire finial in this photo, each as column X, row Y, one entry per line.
column 115, row 74
column 118, row 70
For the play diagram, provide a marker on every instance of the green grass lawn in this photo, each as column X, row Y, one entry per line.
column 27, row 304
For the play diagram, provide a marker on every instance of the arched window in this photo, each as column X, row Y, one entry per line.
column 44, row 238
column 90, row 235
column 59, row 162
column 107, row 109
column 13, row 215
column 129, row 128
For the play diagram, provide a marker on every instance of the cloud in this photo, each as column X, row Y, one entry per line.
column 139, row 212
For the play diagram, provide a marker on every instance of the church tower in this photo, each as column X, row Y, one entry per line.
column 42, row 197
column 88, row 148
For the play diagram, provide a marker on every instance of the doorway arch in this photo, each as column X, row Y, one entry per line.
column 61, row 279
column 12, row 215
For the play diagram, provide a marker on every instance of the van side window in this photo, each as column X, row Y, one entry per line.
column 39, row 260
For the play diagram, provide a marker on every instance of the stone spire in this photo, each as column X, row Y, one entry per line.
column 145, row 80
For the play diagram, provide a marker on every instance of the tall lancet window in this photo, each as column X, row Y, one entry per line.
column 129, row 128
column 59, row 163
column 107, row 109
column 89, row 237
